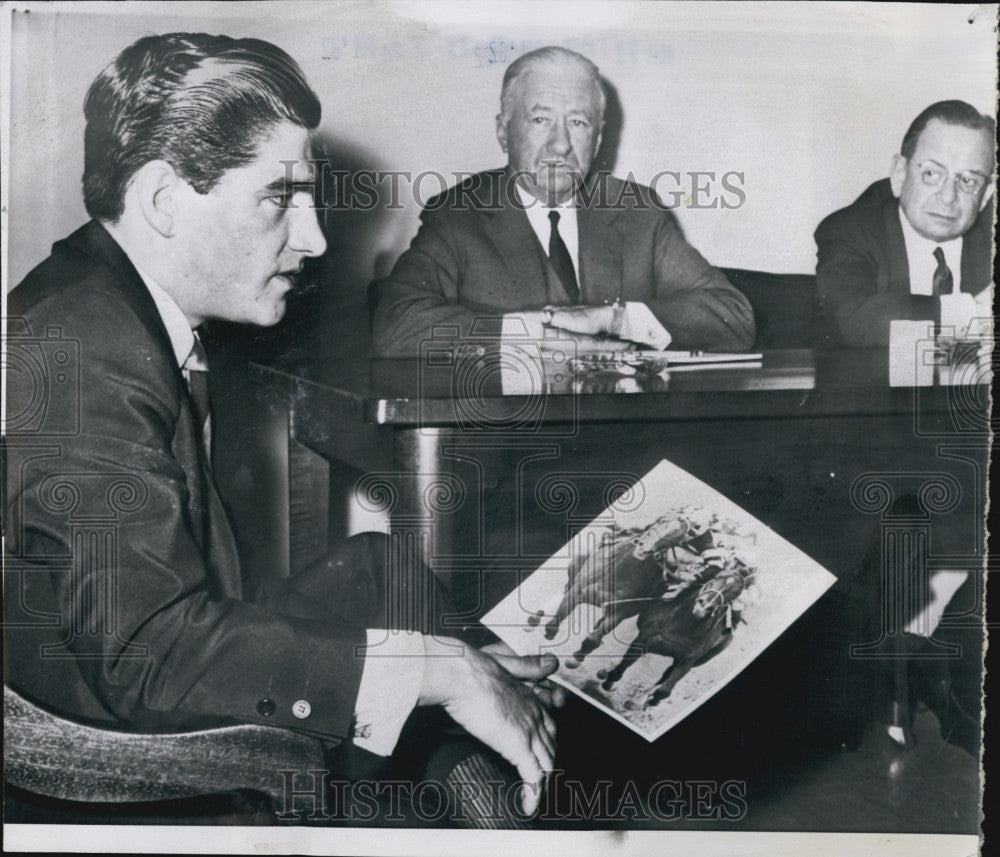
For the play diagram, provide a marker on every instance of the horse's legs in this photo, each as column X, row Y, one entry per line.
column 671, row 675
column 607, row 623
column 634, row 652
column 564, row 609
column 552, row 604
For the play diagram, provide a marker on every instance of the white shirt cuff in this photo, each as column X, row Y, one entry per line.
column 957, row 311
column 640, row 325
column 521, row 326
column 390, row 686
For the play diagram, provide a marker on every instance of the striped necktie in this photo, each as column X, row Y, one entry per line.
column 944, row 282
column 196, row 374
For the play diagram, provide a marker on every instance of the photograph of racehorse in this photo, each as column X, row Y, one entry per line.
column 652, row 610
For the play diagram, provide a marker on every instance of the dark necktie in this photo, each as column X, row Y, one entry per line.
column 944, row 283
column 561, row 260
column 196, row 368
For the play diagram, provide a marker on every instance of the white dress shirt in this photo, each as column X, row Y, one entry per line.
column 920, row 256
column 538, row 217
column 957, row 309
column 394, row 661
column 518, row 326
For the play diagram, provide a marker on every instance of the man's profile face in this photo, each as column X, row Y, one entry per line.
column 553, row 130
column 244, row 241
column 945, row 212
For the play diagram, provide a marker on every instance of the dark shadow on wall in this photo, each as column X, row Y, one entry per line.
column 614, row 122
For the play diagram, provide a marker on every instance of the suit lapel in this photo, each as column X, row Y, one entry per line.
column 895, row 247
column 518, row 245
column 601, row 244
column 976, row 273
column 600, row 249
column 94, row 241
column 211, row 525
column 507, row 227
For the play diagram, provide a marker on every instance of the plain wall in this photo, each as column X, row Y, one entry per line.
column 807, row 101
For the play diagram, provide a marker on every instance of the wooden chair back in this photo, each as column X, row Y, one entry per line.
column 49, row 755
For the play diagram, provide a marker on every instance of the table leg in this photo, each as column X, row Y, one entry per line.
column 419, row 489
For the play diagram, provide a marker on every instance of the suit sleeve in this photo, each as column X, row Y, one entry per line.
column 694, row 301
column 855, row 310
column 156, row 631
column 421, row 293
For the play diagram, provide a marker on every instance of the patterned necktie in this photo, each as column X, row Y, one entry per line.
column 944, row 283
column 561, row 260
column 196, row 372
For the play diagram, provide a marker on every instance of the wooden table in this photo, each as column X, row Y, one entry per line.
column 814, row 443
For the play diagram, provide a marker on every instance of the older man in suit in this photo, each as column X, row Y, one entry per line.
column 197, row 179
column 544, row 241
column 915, row 246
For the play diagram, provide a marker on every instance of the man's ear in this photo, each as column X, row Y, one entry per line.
column 502, row 132
column 897, row 175
column 156, row 188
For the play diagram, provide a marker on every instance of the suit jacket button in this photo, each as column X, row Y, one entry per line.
column 266, row 707
column 301, row 709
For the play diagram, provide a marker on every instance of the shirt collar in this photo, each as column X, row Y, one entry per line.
column 532, row 203
column 538, row 217
column 177, row 325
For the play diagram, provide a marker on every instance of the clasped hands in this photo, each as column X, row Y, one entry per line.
column 632, row 321
column 501, row 699
column 594, row 320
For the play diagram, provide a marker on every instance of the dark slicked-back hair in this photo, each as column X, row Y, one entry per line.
column 201, row 103
column 951, row 113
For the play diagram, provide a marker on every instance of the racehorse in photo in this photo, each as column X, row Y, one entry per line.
column 623, row 566
column 690, row 629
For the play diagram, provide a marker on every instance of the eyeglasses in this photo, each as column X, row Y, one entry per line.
column 934, row 175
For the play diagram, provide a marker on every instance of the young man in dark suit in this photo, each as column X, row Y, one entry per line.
column 198, row 182
column 916, row 245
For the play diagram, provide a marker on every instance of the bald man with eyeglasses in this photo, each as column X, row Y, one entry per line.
column 916, row 245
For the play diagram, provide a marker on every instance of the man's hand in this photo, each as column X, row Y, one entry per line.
column 588, row 320
column 486, row 694
column 551, row 695
column 586, row 325
column 632, row 322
